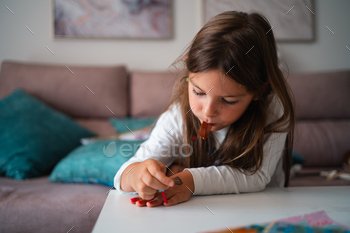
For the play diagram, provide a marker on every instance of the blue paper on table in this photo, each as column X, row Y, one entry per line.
column 284, row 227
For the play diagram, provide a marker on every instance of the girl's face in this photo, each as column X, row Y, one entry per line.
column 215, row 101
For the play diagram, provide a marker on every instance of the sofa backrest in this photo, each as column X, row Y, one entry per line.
column 322, row 133
column 321, row 95
column 78, row 91
column 150, row 92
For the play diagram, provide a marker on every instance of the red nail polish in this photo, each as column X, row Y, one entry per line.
column 140, row 202
column 134, row 199
column 150, row 202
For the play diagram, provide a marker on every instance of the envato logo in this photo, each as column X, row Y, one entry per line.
column 163, row 150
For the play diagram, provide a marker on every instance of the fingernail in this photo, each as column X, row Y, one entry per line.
column 134, row 199
column 150, row 202
column 171, row 183
column 140, row 202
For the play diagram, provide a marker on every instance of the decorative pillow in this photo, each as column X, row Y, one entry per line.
column 97, row 162
column 142, row 134
column 140, row 130
column 33, row 136
column 121, row 125
column 297, row 158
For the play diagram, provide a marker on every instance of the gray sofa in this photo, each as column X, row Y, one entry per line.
column 322, row 133
column 36, row 205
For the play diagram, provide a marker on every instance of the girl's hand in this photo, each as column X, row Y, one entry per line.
column 147, row 177
column 181, row 192
column 174, row 169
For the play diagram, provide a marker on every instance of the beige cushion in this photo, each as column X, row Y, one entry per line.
column 37, row 205
column 150, row 92
column 101, row 127
column 322, row 143
column 57, row 86
column 321, row 95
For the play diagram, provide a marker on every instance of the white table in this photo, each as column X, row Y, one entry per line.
column 207, row 213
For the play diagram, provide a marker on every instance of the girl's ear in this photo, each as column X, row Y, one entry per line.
column 186, row 57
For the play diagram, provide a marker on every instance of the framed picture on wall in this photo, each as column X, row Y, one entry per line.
column 291, row 20
column 129, row 19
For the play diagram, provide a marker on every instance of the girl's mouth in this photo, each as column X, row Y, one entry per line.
column 205, row 130
column 212, row 124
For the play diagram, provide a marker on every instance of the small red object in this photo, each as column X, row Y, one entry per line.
column 165, row 200
column 194, row 138
column 205, row 130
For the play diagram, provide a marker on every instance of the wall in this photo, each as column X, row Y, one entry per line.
column 327, row 52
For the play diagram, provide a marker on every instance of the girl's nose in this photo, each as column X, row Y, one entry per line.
column 210, row 109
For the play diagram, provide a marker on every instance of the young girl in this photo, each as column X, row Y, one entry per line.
column 233, row 83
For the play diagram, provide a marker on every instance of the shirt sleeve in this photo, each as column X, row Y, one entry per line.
column 163, row 144
column 225, row 179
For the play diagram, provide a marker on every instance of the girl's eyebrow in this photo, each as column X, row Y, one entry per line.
column 222, row 96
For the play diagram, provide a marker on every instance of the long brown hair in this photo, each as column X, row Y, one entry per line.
column 241, row 46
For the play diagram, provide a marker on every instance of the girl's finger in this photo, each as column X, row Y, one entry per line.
column 158, row 170
column 141, row 203
column 153, row 183
column 148, row 186
column 161, row 177
column 157, row 201
column 135, row 199
column 144, row 190
column 174, row 200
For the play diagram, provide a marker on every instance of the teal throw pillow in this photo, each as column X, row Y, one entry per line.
column 123, row 125
column 97, row 162
column 297, row 158
column 33, row 136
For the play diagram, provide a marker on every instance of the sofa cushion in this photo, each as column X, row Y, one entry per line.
column 97, row 162
column 321, row 95
column 311, row 177
column 37, row 205
column 78, row 91
column 34, row 137
column 322, row 143
column 150, row 92
column 101, row 127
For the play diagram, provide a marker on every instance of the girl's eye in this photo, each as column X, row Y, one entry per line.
column 223, row 100
column 231, row 103
column 197, row 93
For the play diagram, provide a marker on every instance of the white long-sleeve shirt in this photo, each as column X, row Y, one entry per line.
column 166, row 141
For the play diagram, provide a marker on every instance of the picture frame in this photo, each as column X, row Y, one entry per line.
column 113, row 19
column 291, row 21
